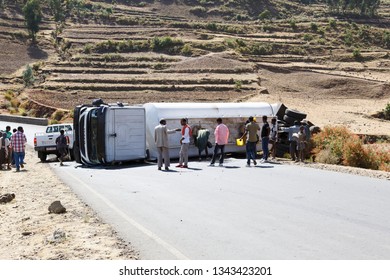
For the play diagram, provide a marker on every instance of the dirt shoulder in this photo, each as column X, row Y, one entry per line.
column 27, row 227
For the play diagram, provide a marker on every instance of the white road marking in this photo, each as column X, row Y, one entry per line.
column 141, row 228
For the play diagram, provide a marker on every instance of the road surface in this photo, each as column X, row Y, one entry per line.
column 234, row 212
column 270, row 211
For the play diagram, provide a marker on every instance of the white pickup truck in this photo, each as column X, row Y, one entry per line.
column 45, row 142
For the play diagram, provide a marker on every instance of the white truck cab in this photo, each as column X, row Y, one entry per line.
column 109, row 133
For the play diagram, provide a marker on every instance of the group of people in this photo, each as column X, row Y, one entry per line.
column 268, row 134
column 12, row 148
column 298, row 137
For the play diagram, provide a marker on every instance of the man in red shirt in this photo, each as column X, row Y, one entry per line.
column 18, row 142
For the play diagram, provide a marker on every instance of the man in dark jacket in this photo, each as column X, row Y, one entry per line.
column 62, row 146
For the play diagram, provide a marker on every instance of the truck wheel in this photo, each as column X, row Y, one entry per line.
column 289, row 120
column 42, row 156
column 295, row 114
column 71, row 153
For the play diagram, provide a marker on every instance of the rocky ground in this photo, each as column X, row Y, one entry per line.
column 29, row 231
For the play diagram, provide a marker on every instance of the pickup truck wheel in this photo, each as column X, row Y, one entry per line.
column 42, row 156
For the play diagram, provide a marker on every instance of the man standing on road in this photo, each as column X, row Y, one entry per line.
column 161, row 139
column 274, row 137
column 185, row 144
column 265, row 130
column 18, row 141
column 221, row 134
column 62, row 146
column 251, row 130
column 292, row 131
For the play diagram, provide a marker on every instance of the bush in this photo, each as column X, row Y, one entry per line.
column 386, row 39
column 198, row 11
column 355, row 155
column 332, row 23
column 336, row 145
column 238, row 85
column 313, row 27
column 386, row 112
column 357, row 55
column 308, row 37
column 333, row 139
column 28, row 77
column 58, row 115
column 9, row 95
column 265, row 15
column 186, row 50
column 326, row 156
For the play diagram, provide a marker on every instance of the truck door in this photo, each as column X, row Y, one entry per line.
column 126, row 134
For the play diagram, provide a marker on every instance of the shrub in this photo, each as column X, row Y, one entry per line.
column 88, row 48
column 9, row 95
column 386, row 39
column 265, row 15
column 15, row 102
column 326, row 156
column 307, row 37
column 28, row 77
column 336, row 145
column 238, row 85
column 58, row 115
column 293, row 24
column 186, row 50
column 332, row 23
column 313, row 27
column 198, row 11
column 386, row 112
column 332, row 138
column 348, row 38
column 357, row 55
column 355, row 155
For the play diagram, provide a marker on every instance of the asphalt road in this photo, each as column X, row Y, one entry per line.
column 267, row 212
column 235, row 212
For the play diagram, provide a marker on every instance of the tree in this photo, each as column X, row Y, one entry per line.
column 33, row 17
column 57, row 9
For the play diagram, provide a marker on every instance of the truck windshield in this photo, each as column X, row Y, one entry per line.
column 93, row 137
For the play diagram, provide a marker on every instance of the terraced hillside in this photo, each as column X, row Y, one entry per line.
column 158, row 51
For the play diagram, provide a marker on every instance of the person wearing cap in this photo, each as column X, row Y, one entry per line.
column 251, row 130
column 161, row 140
column 292, row 132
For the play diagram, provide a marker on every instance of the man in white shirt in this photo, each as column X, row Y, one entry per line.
column 185, row 143
column 161, row 139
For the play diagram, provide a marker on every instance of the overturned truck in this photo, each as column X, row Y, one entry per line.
column 109, row 133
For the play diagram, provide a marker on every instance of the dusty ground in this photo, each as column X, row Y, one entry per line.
column 330, row 100
column 27, row 227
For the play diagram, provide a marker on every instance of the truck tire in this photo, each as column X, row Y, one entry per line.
column 42, row 156
column 295, row 114
column 71, row 154
column 289, row 120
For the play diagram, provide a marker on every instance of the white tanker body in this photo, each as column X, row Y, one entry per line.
column 202, row 115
